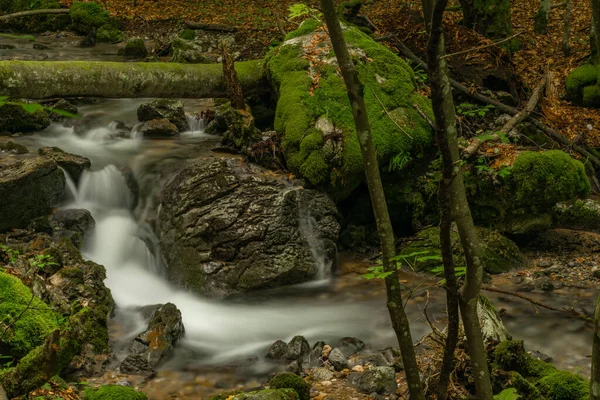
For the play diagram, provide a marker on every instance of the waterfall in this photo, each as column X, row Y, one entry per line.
column 310, row 230
column 197, row 122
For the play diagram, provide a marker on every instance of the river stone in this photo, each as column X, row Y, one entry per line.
column 237, row 215
column 581, row 215
column 277, row 351
column 73, row 224
column 73, row 164
column 28, row 189
column 297, row 348
column 13, row 148
column 350, row 345
column 89, row 121
column 157, row 342
column 338, row 360
column 14, row 118
column 270, row 394
column 135, row 364
column 159, row 128
column 381, row 380
column 62, row 105
column 185, row 51
column 170, row 109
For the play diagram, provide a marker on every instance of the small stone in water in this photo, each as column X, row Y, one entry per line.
column 326, row 350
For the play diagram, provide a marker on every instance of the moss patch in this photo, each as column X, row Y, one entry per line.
column 188, row 34
column 563, row 385
column 89, row 15
column 585, row 75
column 113, row 392
column 109, row 34
column 287, row 380
column 31, row 328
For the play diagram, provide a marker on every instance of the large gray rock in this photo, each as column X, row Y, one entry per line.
column 581, row 214
column 28, row 189
column 337, row 359
column 73, row 164
column 159, row 128
column 380, row 380
column 170, row 109
column 225, row 231
column 72, row 224
column 269, row 394
column 157, row 342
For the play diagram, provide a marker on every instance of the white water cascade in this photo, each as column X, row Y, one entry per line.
column 219, row 331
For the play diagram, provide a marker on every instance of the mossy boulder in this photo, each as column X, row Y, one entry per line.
column 107, row 33
column 14, row 118
column 563, row 385
column 270, row 394
column 113, row 392
column 25, row 330
column 314, row 114
column 500, row 254
column 581, row 215
column 13, row 148
column 287, row 380
column 88, row 15
column 582, row 86
column 520, row 199
column 135, row 48
column 186, row 51
column 188, row 34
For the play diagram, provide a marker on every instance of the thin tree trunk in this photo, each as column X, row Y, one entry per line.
column 541, row 18
column 567, row 30
column 34, row 12
column 427, row 13
column 595, row 377
column 451, row 287
column 234, row 89
column 596, row 25
column 382, row 218
column 447, row 136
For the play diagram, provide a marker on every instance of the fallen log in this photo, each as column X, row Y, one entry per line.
column 45, row 79
column 34, row 12
column 476, row 143
column 210, row 27
column 551, row 133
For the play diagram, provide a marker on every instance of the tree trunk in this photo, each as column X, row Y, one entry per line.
column 567, row 30
column 44, row 79
column 595, row 377
column 491, row 18
column 596, row 29
column 447, row 137
column 234, row 89
column 541, row 18
column 384, row 226
column 34, row 12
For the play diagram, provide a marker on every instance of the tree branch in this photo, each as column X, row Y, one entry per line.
column 34, row 12
column 482, row 47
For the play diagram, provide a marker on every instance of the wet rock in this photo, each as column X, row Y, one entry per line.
column 13, row 148
column 158, row 129
column 297, row 348
column 581, row 214
column 170, row 109
column 90, row 121
column 270, row 394
column 136, row 365
column 132, row 184
column 28, row 189
column 262, row 231
column 315, row 358
column 337, row 359
column 295, row 367
column 544, row 263
column 277, row 351
column 165, row 328
column 73, row 164
column 381, row 380
column 14, row 118
column 135, row 48
column 350, row 345
column 185, row 51
column 322, row 374
column 545, row 284
column 73, row 224
column 61, row 105
column 90, row 39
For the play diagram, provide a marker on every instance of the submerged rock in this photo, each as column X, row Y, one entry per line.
column 73, row 164
column 157, row 342
column 225, row 230
column 170, row 109
column 135, row 364
column 61, row 105
column 28, row 189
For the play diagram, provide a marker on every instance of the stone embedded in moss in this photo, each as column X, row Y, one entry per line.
column 107, row 33
column 582, row 214
column 578, row 79
column 335, row 161
column 88, row 15
column 563, row 385
column 113, row 392
column 287, row 380
column 29, row 329
column 510, row 355
column 500, row 254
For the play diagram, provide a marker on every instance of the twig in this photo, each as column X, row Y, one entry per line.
column 17, row 318
column 532, row 301
column 424, row 116
column 279, row 24
column 388, row 114
column 481, row 47
column 535, row 98
column 433, row 328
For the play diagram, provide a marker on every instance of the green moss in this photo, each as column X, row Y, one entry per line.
column 546, row 178
column 31, row 327
column 511, row 379
column 563, row 385
column 581, row 77
column 389, row 87
column 591, row 96
column 287, row 380
column 270, row 394
column 510, row 355
column 12, row 147
column 89, row 15
column 188, row 34
column 493, row 18
column 135, row 48
column 308, row 26
column 109, row 34
column 13, row 119
column 113, row 392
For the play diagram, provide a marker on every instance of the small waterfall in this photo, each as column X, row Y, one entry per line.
column 71, row 185
column 106, row 188
column 310, row 231
column 197, row 122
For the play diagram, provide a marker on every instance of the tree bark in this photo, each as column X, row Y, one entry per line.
column 595, row 377
column 491, row 18
column 234, row 89
column 44, row 79
column 541, row 17
column 447, row 137
column 596, row 26
column 384, row 226
column 34, row 12
column 567, row 30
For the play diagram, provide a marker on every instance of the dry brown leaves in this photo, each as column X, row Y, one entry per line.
column 54, row 391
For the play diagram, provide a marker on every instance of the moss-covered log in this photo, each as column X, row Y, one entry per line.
column 43, row 79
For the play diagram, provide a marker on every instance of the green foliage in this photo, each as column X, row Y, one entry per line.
column 42, row 261
column 287, row 380
column 472, row 110
column 302, row 10
column 411, row 260
column 188, row 34
column 11, row 253
column 113, row 392
column 24, row 319
column 135, row 48
column 507, row 394
column 31, row 38
column 89, row 15
column 32, row 108
column 399, row 161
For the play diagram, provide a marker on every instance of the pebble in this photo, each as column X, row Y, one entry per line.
column 326, row 383
column 544, row 263
column 358, row 368
column 326, row 351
